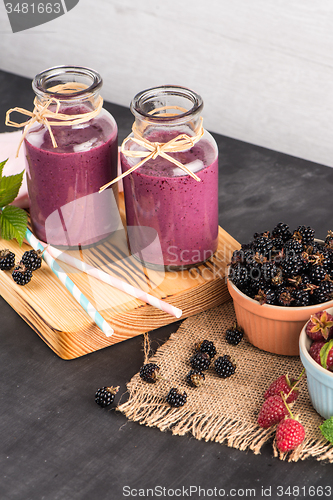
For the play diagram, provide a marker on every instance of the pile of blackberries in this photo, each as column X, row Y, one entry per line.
column 285, row 268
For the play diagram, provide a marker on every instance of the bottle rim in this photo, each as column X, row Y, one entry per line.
column 142, row 98
column 42, row 81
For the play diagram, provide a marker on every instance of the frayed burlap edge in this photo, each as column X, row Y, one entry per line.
column 147, row 406
column 153, row 412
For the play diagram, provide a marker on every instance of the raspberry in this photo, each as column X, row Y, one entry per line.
column 200, row 361
column 32, row 259
column 105, row 396
column 21, row 275
column 272, row 411
column 224, row 367
column 290, row 433
column 320, row 326
column 175, row 398
column 195, row 378
column 283, row 384
column 315, row 348
column 234, row 335
column 206, row 346
column 7, row 259
column 149, row 373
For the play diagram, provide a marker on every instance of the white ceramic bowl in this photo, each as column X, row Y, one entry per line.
column 319, row 380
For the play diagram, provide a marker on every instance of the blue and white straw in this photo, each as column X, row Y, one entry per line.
column 115, row 282
column 71, row 287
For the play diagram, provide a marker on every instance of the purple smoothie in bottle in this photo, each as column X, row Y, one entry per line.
column 63, row 182
column 170, row 208
column 64, row 176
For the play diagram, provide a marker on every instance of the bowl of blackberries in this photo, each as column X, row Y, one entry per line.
column 316, row 352
column 277, row 281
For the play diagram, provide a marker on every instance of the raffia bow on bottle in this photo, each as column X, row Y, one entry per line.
column 42, row 114
column 180, row 143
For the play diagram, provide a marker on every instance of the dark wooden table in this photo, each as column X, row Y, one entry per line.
column 57, row 444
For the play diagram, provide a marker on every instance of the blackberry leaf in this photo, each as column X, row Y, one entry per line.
column 2, row 164
column 13, row 223
column 9, row 188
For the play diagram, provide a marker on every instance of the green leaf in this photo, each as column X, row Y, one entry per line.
column 13, row 223
column 327, row 429
column 9, row 188
column 2, row 164
column 324, row 353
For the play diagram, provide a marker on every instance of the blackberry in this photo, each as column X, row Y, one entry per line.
column 301, row 298
column 7, row 259
column 292, row 266
column 255, row 285
column 175, row 398
column 270, row 270
column 265, row 296
column 200, row 361
column 105, row 396
column 324, row 292
column 224, row 367
column 278, row 243
column 322, row 258
column 307, row 234
column 293, row 247
column 32, row 259
column 317, row 274
column 266, row 234
column 241, row 256
column 206, row 346
column 21, row 275
column 263, row 245
column 234, row 334
column 299, row 281
column 195, row 378
column 282, row 231
column 149, row 373
column 239, row 276
column 285, row 297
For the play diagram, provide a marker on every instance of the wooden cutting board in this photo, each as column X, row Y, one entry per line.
column 47, row 306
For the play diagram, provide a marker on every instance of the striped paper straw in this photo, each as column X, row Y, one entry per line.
column 115, row 282
column 71, row 287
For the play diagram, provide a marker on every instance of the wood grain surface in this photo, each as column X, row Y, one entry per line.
column 49, row 308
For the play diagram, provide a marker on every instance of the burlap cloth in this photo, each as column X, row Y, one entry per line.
column 222, row 410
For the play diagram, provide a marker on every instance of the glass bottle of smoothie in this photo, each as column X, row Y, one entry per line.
column 172, row 217
column 72, row 149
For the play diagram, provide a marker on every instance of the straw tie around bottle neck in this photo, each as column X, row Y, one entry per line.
column 42, row 114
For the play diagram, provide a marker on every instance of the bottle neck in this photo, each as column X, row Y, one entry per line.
column 68, row 87
column 167, row 110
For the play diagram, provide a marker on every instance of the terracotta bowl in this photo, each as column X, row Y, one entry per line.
column 319, row 380
column 274, row 329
